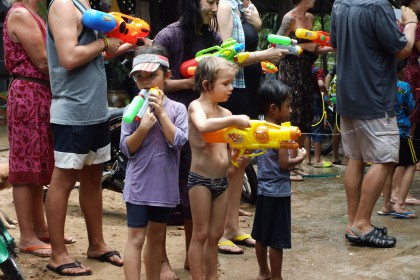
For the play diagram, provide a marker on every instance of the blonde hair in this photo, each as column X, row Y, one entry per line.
column 208, row 68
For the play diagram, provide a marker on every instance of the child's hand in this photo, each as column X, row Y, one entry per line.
column 156, row 102
column 301, row 153
column 241, row 121
column 148, row 120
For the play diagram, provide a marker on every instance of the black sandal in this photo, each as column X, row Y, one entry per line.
column 373, row 238
column 382, row 230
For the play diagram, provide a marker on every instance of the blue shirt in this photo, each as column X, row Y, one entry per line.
column 152, row 172
column 404, row 104
column 272, row 181
column 366, row 36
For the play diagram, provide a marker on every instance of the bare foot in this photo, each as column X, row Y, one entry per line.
column 264, row 277
column 244, row 213
column 228, row 247
column 166, row 272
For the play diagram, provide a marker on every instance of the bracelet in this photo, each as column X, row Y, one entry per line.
column 411, row 22
column 106, row 42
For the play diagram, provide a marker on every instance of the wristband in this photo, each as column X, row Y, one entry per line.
column 106, row 42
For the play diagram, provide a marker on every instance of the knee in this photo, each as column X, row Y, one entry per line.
column 136, row 241
column 201, row 236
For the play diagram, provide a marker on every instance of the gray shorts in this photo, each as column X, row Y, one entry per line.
column 375, row 141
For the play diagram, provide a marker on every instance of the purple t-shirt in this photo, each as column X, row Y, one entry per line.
column 172, row 38
column 152, row 172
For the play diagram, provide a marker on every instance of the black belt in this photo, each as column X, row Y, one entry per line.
column 29, row 79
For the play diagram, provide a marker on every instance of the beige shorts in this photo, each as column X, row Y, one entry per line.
column 375, row 141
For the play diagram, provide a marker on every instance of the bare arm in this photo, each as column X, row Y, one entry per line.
column 204, row 124
column 409, row 17
column 65, row 28
column 286, row 25
column 285, row 162
column 225, row 20
column 23, row 28
column 181, row 84
column 253, row 17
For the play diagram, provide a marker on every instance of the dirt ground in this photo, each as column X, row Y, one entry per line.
column 319, row 250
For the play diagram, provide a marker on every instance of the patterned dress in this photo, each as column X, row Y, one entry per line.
column 31, row 158
column 295, row 72
column 412, row 74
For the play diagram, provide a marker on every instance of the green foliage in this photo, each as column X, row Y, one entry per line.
column 270, row 25
column 117, row 74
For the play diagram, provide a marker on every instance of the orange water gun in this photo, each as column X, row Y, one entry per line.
column 268, row 67
column 321, row 38
column 117, row 25
column 261, row 135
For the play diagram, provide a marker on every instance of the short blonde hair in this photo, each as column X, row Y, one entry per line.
column 208, row 68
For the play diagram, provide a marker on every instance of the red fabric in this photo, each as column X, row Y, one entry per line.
column 31, row 157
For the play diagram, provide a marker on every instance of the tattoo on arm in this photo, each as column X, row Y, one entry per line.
column 285, row 26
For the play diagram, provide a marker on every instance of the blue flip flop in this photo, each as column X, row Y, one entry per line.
column 403, row 215
column 382, row 213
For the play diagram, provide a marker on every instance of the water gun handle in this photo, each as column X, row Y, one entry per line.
column 294, row 50
column 134, row 107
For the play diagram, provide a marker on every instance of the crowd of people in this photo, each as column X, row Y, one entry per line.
column 59, row 132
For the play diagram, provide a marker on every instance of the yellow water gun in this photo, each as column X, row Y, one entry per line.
column 261, row 135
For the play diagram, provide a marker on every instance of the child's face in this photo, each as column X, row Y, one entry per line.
column 222, row 88
column 283, row 115
column 147, row 80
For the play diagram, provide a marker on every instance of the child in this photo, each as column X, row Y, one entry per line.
column 400, row 182
column 207, row 180
column 318, row 87
column 153, row 147
column 272, row 225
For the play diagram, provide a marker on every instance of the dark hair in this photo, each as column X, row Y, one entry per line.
column 271, row 92
column 207, row 70
column 401, row 64
column 155, row 49
column 295, row 2
column 192, row 24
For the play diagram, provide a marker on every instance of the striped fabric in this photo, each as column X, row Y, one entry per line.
column 238, row 35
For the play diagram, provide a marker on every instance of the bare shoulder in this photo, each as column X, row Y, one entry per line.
column 225, row 112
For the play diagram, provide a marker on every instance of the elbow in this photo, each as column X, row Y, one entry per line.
column 404, row 53
column 68, row 62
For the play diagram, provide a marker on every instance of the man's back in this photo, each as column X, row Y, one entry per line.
column 366, row 37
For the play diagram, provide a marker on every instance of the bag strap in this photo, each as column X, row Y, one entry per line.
column 79, row 6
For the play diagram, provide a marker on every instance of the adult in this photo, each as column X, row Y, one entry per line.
column 295, row 71
column 366, row 87
column 79, row 119
column 196, row 30
column 242, row 24
column 31, row 155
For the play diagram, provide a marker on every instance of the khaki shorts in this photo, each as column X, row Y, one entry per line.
column 375, row 141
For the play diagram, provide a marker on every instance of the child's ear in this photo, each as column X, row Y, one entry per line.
column 273, row 107
column 205, row 85
column 168, row 74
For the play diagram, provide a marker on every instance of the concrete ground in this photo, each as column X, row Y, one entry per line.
column 319, row 249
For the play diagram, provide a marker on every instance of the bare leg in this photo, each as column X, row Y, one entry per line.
column 336, row 144
column 132, row 254
column 62, row 183
column 188, row 228
column 387, row 206
column 307, row 145
column 276, row 263
column 31, row 219
column 235, row 179
column 90, row 199
column 401, row 190
column 353, row 178
column 261, row 253
column 166, row 272
column 152, row 250
column 317, row 153
column 217, row 218
column 371, row 188
column 200, row 200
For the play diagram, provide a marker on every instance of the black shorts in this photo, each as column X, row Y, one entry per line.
column 138, row 216
column 79, row 145
column 272, row 222
column 408, row 154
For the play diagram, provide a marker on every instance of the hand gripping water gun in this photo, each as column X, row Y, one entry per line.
column 138, row 105
column 261, row 135
column 319, row 37
column 285, row 43
column 117, row 25
column 229, row 50
column 268, row 67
